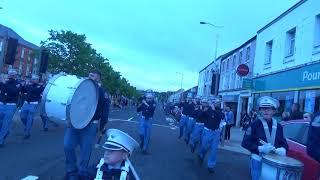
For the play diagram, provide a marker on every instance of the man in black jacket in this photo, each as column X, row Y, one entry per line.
column 147, row 108
column 85, row 137
column 9, row 96
column 32, row 91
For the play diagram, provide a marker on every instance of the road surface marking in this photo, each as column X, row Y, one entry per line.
column 30, row 178
column 130, row 119
column 159, row 125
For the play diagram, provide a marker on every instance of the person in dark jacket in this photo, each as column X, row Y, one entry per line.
column 9, row 96
column 32, row 91
column 191, row 120
column 295, row 113
column 264, row 136
column 211, row 136
column 199, row 125
column 85, row 137
column 147, row 108
column 313, row 142
column 115, row 164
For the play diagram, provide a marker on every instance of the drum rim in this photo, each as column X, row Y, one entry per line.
column 48, row 87
column 71, row 97
column 269, row 162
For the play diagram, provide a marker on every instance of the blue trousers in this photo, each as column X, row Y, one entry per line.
column 27, row 113
column 85, row 138
column 196, row 135
column 255, row 169
column 182, row 124
column 145, row 131
column 189, row 127
column 210, row 141
column 6, row 115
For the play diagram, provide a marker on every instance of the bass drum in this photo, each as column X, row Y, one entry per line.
column 70, row 100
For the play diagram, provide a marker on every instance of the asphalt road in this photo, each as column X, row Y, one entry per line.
column 168, row 158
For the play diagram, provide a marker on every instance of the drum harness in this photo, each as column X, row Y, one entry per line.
column 270, row 136
column 124, row 170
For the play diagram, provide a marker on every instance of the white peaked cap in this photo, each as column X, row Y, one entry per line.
column 149, row 95
column 34, row 77
column 12, row 72
column 118, row 140
column 267, row 101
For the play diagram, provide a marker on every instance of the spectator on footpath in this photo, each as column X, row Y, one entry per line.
column 285, row 116
column 295, row 112
column 230, row 121
column 307, row 116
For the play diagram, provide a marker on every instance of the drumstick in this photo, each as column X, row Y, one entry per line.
column 97, row 145
column 133, row 170
column 263, row 143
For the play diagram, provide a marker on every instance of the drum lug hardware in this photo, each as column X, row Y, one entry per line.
column 48, row 100
column 65, row 104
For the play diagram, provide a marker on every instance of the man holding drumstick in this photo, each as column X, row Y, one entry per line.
column 264, row 136
column 85, row 137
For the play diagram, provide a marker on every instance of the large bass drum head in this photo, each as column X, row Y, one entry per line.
column 83, row 104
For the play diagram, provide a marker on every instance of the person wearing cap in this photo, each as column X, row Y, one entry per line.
column 211, row 136
column 85, row 137
column 147, row 108
column 186, row 107
column 9, row 96
column 115, row 163
column 191, row 119
column 264, row 136
column 199, row 125
column 32, row 91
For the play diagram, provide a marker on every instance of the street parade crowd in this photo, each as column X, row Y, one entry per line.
column 203, row 124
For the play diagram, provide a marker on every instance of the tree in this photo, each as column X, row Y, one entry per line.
column 70, row 53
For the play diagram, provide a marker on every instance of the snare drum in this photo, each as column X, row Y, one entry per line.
column 276, row 167
column 70, row 100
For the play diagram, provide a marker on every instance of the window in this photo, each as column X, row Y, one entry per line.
column 0, row 46
column 22, row 52
column 317, row 31
column 228, row 64
column 268, row 52
column 240, row 57
column 296, row 132
column 248, row 54
column 234, row 61
column 309, row 100
column 291, row 38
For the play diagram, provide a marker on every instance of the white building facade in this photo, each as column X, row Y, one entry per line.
column 287, row 61
column 234, row 90
column 208, row 81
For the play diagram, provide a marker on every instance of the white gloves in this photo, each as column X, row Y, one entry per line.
column 281, row 151
column 266, row 148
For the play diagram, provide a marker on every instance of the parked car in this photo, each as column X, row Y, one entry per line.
column 296, row 133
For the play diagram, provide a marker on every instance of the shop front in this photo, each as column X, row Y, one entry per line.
column 300, row 85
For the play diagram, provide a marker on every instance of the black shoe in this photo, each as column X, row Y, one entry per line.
column 1, row 145
column 192, row 149
column 27, row 136
column 200, row 160
column 180, row 137
column 141, row 145
column 144, row 152
column 45, row 129
column 211, row 170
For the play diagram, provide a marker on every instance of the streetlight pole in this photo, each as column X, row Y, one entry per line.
column 181, row 78
column 217, row 36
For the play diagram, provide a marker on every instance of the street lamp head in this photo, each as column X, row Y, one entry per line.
column 203, row 22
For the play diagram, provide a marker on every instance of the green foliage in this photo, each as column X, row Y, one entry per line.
column 70, row 53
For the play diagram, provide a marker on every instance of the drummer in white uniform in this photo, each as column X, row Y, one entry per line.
column 115, row 163
column 264, row 136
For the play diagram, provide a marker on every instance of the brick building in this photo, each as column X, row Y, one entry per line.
column 27, row 54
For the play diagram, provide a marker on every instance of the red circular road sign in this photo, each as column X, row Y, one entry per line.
column 242, row 70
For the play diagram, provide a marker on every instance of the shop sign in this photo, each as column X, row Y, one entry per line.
column 247, row 83
column 306, row 76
